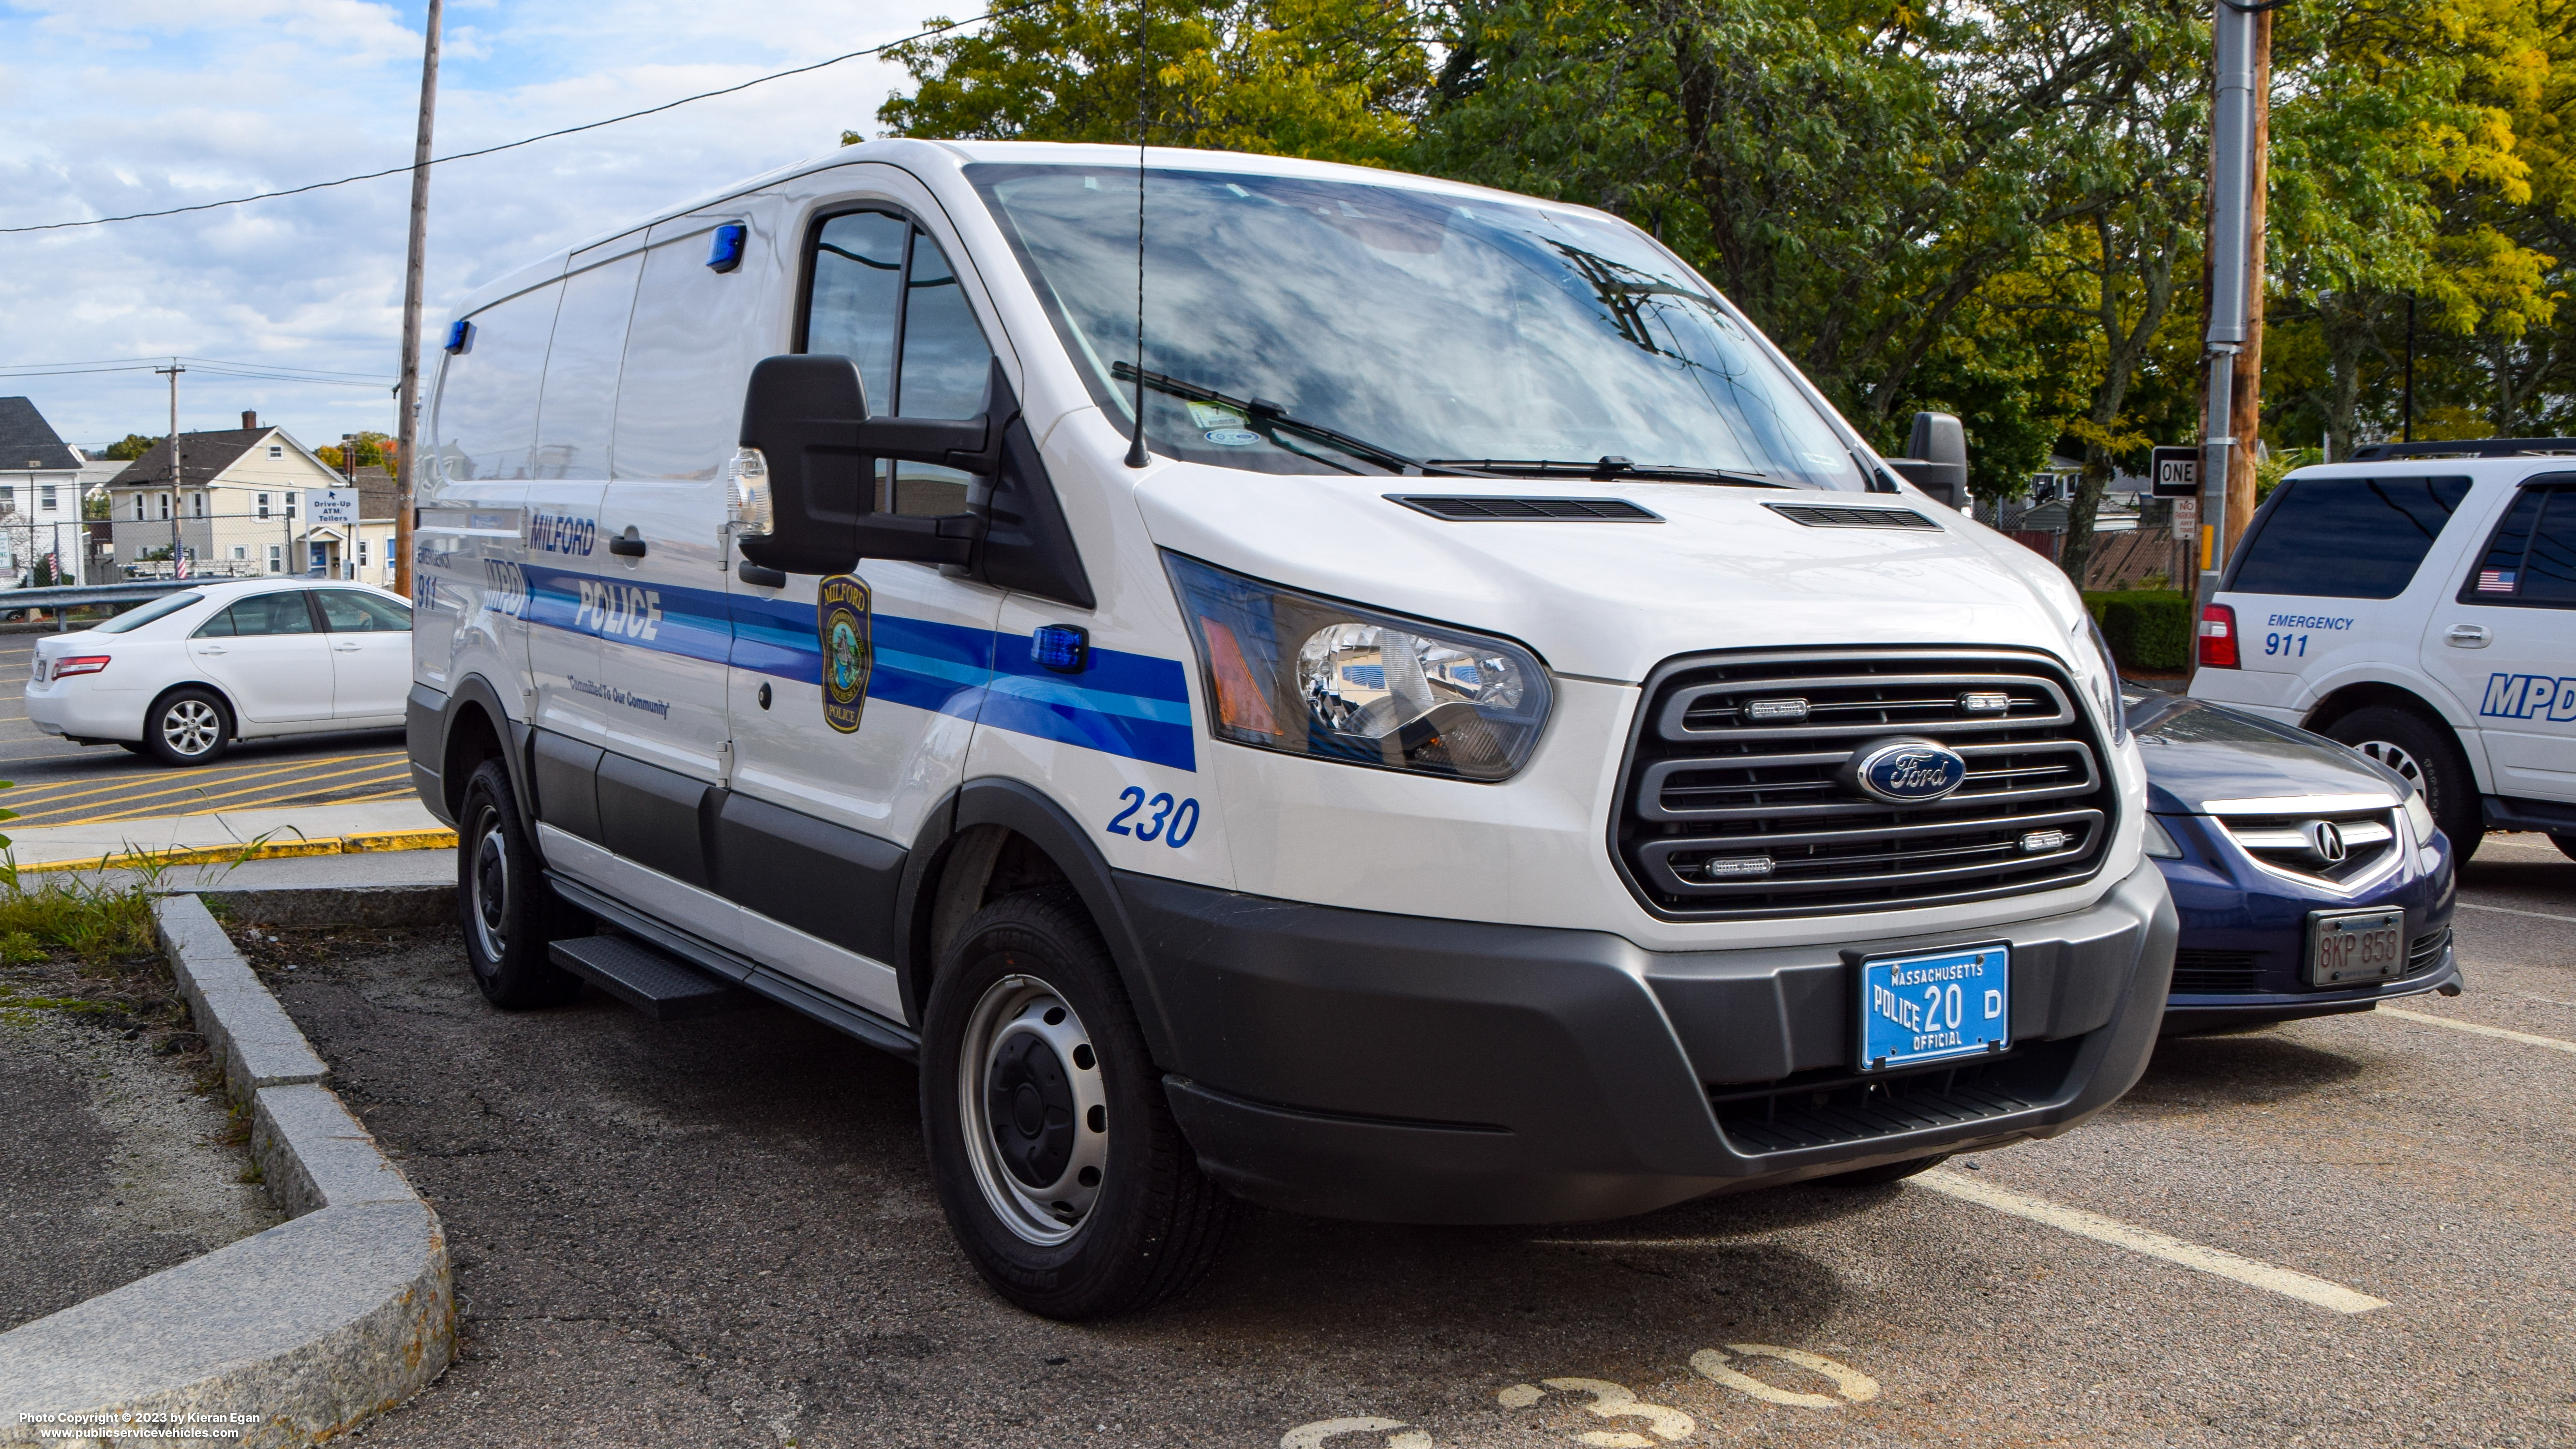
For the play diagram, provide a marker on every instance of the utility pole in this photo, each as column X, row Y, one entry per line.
column 2245, row 405
column 2231, row 258
column 407, row 423
column 177, row 477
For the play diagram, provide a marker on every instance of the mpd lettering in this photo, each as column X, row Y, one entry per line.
column 2529, row 696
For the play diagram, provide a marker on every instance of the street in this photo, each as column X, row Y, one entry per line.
column 61, row 783
column 722, row 1232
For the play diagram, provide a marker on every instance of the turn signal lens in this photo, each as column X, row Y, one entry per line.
column 2218, row 637
column 80, row 664
column 2160, row 841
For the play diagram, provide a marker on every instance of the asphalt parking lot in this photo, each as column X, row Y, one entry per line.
column 61, row 783
column 722, row 1232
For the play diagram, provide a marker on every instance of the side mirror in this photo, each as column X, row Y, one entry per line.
column 1937, row 460
column 804, row 482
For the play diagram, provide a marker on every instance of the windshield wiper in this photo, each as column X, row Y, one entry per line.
column 1263, row 415
column 1603, row 470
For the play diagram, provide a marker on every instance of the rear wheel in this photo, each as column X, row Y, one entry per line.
column 187, row 727
column 1055, row 1155
column 502, row 900
column 2426, row 754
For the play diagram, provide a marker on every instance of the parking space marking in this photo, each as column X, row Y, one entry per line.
column 2526, row 1038
column 2216, row 1261
column 2510, row 911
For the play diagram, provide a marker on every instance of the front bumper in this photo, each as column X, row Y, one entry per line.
column 1396, row 1068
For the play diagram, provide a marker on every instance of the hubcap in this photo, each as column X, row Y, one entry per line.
column 489, row 880
column 1035, row 1117
column 2396, row 758
column 191, row 727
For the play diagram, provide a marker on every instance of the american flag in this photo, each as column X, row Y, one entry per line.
column 2495, row 581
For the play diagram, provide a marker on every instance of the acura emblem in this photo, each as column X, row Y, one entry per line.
column 1906, row 771
column 2325, row 841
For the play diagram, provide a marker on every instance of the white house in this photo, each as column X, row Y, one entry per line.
column 236, row 508
column 41, row 480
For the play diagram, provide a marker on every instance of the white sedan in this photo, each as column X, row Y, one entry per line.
column 184, row 676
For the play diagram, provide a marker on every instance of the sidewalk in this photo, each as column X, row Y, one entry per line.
column 226, row 836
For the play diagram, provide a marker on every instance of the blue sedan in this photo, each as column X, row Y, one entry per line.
column 2310, row 880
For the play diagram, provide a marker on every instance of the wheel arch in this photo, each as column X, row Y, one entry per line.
column 476, row 727
column 994, row 837
column 223, row 696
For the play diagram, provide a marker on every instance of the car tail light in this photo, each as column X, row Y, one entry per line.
column 80, row 664
column 2217, row 637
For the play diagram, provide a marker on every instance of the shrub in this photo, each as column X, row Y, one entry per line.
column 2148, row 628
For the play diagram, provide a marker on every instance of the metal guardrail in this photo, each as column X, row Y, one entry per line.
column 73, row 596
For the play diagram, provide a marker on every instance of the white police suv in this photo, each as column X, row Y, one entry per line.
column 2418, row 602
column 1489, row 745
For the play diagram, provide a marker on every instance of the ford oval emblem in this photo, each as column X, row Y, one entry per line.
column 1907, row 772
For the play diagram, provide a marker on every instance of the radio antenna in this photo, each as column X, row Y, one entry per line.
column 1137, row 457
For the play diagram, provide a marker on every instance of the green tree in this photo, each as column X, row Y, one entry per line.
column 130, row 447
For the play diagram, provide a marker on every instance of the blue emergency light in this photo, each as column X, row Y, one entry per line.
column 460, row 335
column 1064, row 648
column 725, row 252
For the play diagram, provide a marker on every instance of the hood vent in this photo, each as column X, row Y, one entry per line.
column 1526, row 510
column 1815, row 517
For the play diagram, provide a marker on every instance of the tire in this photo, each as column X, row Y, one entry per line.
column 188, row 726
column 1055, row 1155
column 1886, row 1172
column 2424, row 752
column 2566, row 843
column 503, row 903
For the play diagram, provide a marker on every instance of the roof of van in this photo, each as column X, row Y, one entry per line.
column 922, row 155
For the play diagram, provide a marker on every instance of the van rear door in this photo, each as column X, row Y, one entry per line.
column 2504, row 642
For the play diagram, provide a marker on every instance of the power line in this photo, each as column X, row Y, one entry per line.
column 526, row 141
column 213, row 366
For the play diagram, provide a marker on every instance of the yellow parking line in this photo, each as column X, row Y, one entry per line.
column 154, row 802
column 227, row 795
column 2475, row 1029
column 274, row 802
column 234, row 775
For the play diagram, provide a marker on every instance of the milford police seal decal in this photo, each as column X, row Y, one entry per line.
column 841, row 625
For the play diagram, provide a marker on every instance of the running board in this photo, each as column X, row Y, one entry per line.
column 653, row 982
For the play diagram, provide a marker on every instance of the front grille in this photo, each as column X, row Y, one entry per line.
column 2425, row 952
column 2290, row 844
column 1831, row 1108
column 1735, row 803
column 2215, row 973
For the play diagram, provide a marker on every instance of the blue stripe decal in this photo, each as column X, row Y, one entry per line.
column 1133, row 705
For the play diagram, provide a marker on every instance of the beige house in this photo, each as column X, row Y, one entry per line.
column 238, row 508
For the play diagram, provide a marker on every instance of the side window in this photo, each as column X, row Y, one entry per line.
column 689, row 350
column 264, row 614
column 347, row 611
column 487, row 394
column 2532, row 558
column 2346, row 538
column 885, row 297
column 580, row 399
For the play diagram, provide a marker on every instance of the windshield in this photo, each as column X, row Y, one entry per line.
column 159, row 608
column 1429, row 327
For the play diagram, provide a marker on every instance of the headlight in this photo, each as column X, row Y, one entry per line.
column 1312, row 676
column 2160, row 841
column 2104, row 684
column 2420, row 815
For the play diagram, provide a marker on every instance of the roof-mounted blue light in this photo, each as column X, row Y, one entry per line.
column 725, row 252
column 460, row 336
column 1064, row 648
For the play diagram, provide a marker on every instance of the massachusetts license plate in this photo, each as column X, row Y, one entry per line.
column 1922, row 1008
column 2352, row 948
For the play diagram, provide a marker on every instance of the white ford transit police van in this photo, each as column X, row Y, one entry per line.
column 2418, row 602
column 1505, row 751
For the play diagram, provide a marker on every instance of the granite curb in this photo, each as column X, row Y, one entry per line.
column 289, row 1337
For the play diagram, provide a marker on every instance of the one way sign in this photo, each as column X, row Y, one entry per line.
column 2175, row 472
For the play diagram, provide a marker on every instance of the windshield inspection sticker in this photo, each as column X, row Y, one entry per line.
column 1232, row 437
column 1207, row 415
column 841, row 626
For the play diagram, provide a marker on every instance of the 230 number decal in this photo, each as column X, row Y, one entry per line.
column 1171, row 822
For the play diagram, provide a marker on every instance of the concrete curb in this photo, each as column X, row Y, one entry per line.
column 290, row 1337
column 264, row 850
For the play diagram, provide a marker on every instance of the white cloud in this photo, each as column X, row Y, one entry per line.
column 111, row 106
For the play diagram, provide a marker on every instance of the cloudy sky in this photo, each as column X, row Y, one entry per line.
column 115, row 106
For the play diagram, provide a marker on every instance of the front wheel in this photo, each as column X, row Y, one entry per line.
column 1056, row 1158
column 2430, row 759
column 502, row 900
